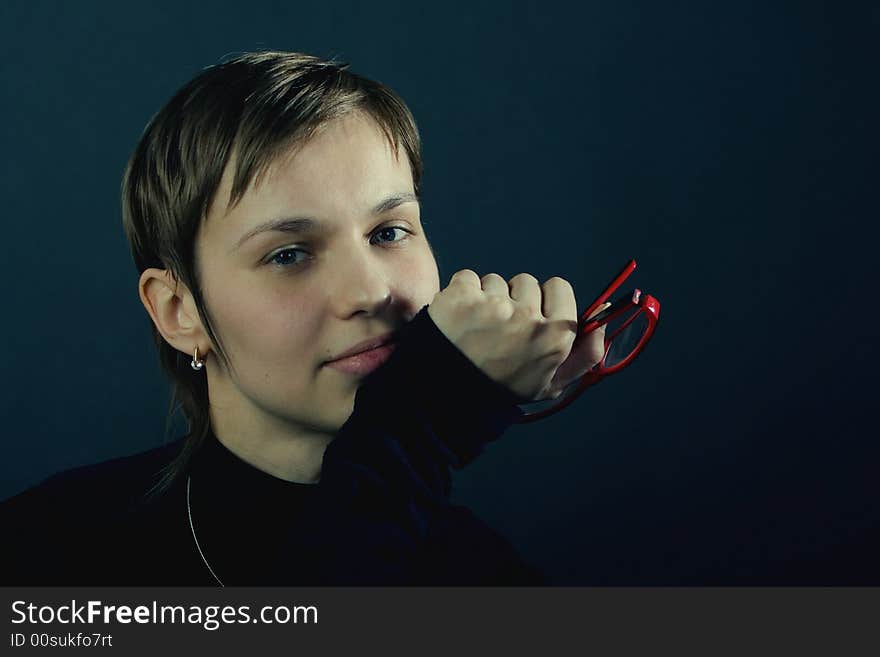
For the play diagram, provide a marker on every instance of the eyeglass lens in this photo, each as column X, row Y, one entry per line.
column 624, row 333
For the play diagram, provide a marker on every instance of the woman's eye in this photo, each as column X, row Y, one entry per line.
column 293, row 257
column 389, row 232
column 285, row 258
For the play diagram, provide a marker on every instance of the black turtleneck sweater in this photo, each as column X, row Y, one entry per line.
column 380, row 514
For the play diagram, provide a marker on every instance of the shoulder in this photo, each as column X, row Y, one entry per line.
column 73, row 527
column 112, row 485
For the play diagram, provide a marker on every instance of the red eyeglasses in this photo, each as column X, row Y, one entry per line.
column 629, row 324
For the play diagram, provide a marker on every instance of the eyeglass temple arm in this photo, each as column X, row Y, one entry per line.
column 615, row 283
column 622, row 304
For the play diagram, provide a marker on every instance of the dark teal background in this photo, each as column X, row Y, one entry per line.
column 730, row 147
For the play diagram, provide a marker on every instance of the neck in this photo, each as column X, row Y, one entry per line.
column 295, row 457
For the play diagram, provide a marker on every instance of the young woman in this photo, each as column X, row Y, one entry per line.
column 272, row 207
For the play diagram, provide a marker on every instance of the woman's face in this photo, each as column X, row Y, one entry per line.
column 285, row 301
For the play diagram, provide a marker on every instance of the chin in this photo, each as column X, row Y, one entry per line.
column 338, row 413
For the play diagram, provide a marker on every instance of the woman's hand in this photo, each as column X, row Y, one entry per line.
column 521, row 334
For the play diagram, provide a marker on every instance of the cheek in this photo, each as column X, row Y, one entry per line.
column 265, row 325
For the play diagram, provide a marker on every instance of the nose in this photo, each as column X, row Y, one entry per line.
column 360, row 283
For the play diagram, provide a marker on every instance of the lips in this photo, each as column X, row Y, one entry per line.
column 363, row 362
column 364, row 346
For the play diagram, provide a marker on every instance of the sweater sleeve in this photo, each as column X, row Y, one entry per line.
column 425, row 410
column 382, row 514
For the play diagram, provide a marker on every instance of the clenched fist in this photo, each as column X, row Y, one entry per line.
column 520, row 333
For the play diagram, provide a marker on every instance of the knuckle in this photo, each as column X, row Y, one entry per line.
column 556, row 345
column 463, row 274
column 525, row 312
column 496, row 310
column 524, row 277
column 462, row 282
column 496, row 301
column 556, row 281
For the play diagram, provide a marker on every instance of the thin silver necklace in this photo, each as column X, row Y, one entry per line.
column 195, row 538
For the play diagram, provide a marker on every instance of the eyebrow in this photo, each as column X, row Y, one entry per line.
column 310, row 224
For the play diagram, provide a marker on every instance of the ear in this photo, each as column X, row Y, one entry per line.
column 171, row 306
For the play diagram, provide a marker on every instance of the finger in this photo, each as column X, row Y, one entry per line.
column 525, row 290
column 466, row 278
column 494, row 284
column 590, row 347
column 558, row 300
column 586, row 353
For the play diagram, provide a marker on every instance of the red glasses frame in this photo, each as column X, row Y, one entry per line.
column 649, row 306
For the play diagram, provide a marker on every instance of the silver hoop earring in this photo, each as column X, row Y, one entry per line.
column 196, row 363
